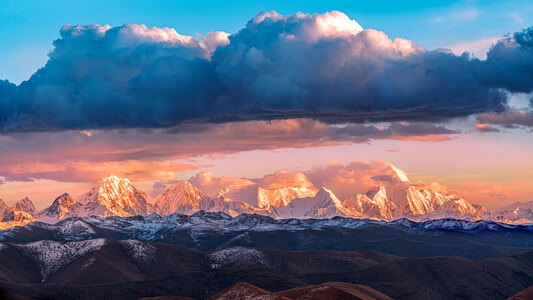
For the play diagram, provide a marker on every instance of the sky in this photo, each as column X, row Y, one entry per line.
column 158, row 91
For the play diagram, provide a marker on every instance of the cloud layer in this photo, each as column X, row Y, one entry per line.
column 321, row 66
column 86, row 156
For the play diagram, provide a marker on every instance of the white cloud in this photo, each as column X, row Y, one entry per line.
column 469, row 14
column 478, row 48
column 457, row 15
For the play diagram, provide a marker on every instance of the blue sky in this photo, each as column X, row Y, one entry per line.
column 28, row 27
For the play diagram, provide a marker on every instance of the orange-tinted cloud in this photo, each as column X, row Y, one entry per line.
column 484, row 127
column 158, row 154
column 211, row 185
column 494, row 195
column 355, row 177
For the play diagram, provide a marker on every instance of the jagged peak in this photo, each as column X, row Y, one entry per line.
column 375, row 191
column 116, row 185
column 25, row 205
column 183, row 185
column 114, row 180
column 65, row 197
column 114, row 196
column 402, row 175
column 182, row 197
column 326, row 193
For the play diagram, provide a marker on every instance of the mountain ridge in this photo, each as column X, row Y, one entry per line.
column 382, row 192
column 217, row 230
column 106, row 268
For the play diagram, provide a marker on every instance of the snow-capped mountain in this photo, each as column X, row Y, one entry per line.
column 114, row 196
column 182, row 197
column 273, row 191
column 400, row 201
column 62, row 207
column 19, row 214
column 4, row 209
column 24, row 205
column 18, row 217
column 377, row 190
column 517, row 212
column 322, row 205
column 374, row 204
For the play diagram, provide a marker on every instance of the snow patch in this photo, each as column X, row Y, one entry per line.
column 140, row 251
column 75, row 230
column 237, row 256
column 53, row 256
column 90, row 262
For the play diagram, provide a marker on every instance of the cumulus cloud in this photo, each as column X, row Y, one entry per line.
column 158, row 188
column 212, row 185
column 281, row 179
column 478, row 48
column 7, row 103
column 320, row 66
column 355, row 177
column 510, row 62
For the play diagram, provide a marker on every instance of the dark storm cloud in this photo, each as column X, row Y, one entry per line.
column 7, row 92
column 323, row 66
column 510, row 62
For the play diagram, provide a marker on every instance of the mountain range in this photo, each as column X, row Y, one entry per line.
column 364, row 233
column 378, row 191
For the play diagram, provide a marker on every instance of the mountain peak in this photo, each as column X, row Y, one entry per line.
column 183, row 184
column 402, row 175
column 115, row 196
column 4, row 209
column 62, row 207
column 114, row 180
column 181, row 197
column 324, row 192
column 24, row 205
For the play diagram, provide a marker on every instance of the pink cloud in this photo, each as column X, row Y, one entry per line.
column 494, row 195
column 160, row 154
column 509, row 117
